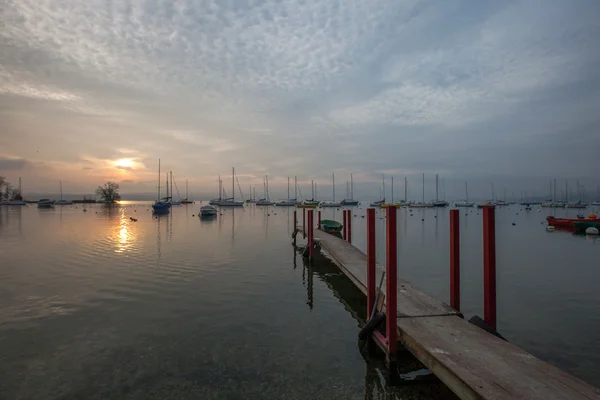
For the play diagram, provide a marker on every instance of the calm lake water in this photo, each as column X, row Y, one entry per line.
column 94, row 305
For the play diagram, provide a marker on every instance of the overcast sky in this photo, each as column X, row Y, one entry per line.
column 488, row 91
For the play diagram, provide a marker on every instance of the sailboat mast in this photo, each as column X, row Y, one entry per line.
column 351, row 187
column 186, row 189
column 158, row 194
column 167, row 185
column 333, row 180
column 405, row 189
column 220, row 189
column 60, row 182
column 233, row 183
column 288, row 197
column 466, row 192
column 436, row 187
column 296, row 188
column 423, row 187
column 312, row 187
column 392, row 190
column 171, row 185
column 315, row 191
column 383, row 185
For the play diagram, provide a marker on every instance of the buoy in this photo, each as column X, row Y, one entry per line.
column 422, row 219
column 550, row 228
column 592, row 216
column 84, row 210
column 193, row 215
column 591, row 231
column 514, row 224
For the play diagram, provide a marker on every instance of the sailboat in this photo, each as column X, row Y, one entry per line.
column 312, row 203
column 252, row 198
column 422, row 204
column 466, row 202
column 187, row 198
column 218, row 200
column 391, row 204
column 173, row 202
column 438, row 202
column 289, row 202
column 62, row 202
column 17, row 199
column 231, row 201
column 349, row 200
column 379, row 203
column 331, row 203
column 160, row 206
column 265, row 201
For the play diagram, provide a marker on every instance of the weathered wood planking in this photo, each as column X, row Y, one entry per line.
column 471, row 362
column 477, row 365
column 412, row 302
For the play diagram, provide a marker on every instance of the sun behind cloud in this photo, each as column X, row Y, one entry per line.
column 124, row 163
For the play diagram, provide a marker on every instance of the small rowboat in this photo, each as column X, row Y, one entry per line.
column 330, row 226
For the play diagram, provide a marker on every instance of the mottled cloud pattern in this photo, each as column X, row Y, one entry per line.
column 476, row 90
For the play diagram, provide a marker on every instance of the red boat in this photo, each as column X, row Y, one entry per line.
column 568, row 222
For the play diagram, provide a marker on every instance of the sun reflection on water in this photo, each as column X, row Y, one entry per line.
column 124, row 236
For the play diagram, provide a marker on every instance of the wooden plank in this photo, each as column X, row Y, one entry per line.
column 412, row 302
column 471, row 362
column 477, row 365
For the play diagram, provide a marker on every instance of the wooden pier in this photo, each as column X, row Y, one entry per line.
column 473, row 363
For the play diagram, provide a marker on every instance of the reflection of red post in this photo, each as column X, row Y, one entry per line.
column 344, row 227
column 489, row 266
column 310, row 234
column 319, row 221
column 391, row 278
column 304, row 221
column 349, row 222
column 371, row 259
column 454, row 260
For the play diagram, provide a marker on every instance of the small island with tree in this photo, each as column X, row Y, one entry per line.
column 109, row 193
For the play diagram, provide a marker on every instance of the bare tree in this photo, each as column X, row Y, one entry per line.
column 109, row 193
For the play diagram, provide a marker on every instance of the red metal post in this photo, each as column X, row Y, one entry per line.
column 371, row 259
column 295, row 221
column 349, row 222
column 310, row 234
column 454, row 260
column 344, row 227
column 391, row 279
column 489, row 266
column 319, row 222
column 304, row 221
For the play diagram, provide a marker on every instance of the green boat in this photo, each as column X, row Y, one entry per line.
column 583, row 225
column 330, row 226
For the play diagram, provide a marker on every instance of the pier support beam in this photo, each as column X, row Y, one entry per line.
column 344, row 224
column 454, row 260
column 489, row 266
column 349, row 222
column 391, row 281
column 311, row 236
column 295, row 229
column 304, row 222
column 371, row 259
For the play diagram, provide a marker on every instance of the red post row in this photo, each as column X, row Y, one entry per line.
column 310, row 234
column 489, row 266
column 454, row 260
column 371, row 259
column 344, row 225
column 391, row 279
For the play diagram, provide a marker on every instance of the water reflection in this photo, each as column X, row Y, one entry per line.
column 123, row 236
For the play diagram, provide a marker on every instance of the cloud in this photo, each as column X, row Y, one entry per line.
column 282, row 87
column 13, row 164
column 124, row 167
